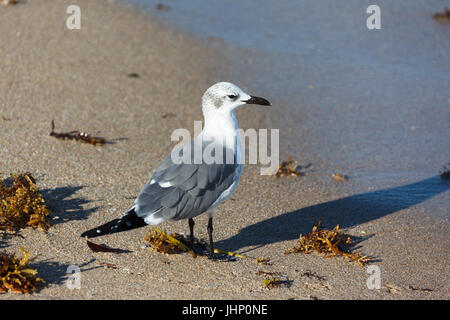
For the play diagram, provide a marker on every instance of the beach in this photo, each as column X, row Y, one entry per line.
column 83, row 80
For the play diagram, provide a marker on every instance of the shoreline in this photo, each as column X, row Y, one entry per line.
column 79, row 79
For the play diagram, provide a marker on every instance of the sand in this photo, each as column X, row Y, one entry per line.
column 80, row 79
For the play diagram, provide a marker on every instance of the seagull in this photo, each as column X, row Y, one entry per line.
column 198, row 184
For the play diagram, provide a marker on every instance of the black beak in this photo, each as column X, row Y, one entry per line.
column 257, row 100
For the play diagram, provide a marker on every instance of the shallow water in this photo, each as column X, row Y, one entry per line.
column 372, row 104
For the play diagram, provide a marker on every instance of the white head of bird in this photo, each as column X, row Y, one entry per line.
column 219, row 102
column 225, row 97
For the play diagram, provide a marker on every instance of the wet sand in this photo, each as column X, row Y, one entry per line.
column 79, row 79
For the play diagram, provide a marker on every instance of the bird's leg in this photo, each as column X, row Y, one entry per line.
column 210, row 230
column 191, row 228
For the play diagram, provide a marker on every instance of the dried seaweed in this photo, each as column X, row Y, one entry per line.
column 314, row 275
column 77, row 135
column 442, row 17
column 10, row 2
column 15, row 275
column 274, row 279
column 339, row 177
column 162, row 242
column 392, row 288
column 22, row 205
column 272, row 282
column 102, row 248
column 108, row 265
column 446, row 173
column 330, row 242
column 288, row 168
column 263, row 260
column 420, row 289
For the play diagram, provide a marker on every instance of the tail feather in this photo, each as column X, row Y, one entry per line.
column 129, row 221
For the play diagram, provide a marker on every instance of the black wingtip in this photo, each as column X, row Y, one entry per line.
column 100, row 230
column 127, row 222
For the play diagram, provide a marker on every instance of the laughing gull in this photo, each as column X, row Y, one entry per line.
column 198, row 184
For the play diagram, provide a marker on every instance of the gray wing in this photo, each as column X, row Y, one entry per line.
column 185, row 190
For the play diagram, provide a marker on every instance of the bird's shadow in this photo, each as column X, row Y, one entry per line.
column 65, row 206
column 347, row 212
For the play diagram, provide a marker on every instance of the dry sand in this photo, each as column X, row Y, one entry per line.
column 79, row 79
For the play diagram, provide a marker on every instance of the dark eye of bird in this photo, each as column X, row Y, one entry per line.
column 232, row 96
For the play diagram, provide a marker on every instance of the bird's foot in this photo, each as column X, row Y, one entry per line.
column 212, row 256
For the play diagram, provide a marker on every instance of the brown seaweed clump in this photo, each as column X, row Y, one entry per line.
column 288, row 168
column 161, row 241
column 15, row 275
column 330, row 242
column 22, row 205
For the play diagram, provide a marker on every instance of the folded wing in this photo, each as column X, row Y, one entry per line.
column 185, row 190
